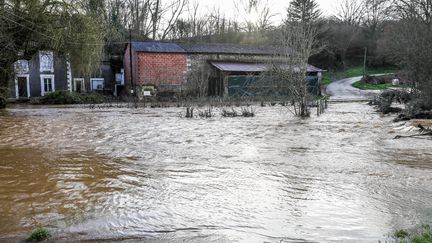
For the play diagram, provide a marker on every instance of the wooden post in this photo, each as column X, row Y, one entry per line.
column 130, row 60
column 364, row 62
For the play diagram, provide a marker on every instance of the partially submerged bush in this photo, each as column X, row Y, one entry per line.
column 207, row 113
column 66, row 98
column 189, row 112
column 245, row 112
column 415, row 109
column 248, row 112
column 227, row 113
column 384, row 101
column 38, row 235
column 421, row 234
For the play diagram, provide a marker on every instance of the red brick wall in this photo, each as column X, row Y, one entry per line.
column 161, row 68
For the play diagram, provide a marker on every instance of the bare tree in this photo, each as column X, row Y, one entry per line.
column 298, row 42
column 264, row 21
column 170, row 14
column 420, row 10
column 351, row 11
column 198, row 79
column 376, row 11
column 408, row 42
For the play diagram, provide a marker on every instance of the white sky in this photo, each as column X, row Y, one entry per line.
column 277, row 7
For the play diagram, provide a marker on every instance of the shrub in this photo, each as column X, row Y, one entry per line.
column 421, row 234
column 167, row 96
column 226, row 113
column 189, row 112
column 37, row 235
column 401, row 234
column 248, row 112
column 66, row 97
column 3, row 97
column 207, row 113
column 373, row 80
column 385, row 100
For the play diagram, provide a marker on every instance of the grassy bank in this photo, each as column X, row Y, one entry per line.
column 366, row 86
column 422, row 234
column 329, row 77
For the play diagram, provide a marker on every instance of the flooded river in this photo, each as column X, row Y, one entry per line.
column 148, row 174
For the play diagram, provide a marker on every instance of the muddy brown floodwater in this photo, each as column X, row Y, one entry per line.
column 148, row 174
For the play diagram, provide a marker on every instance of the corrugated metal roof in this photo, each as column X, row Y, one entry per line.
column 240, row 67
column 212, row 48
column 157, row 47
column 251, row 67
column 313, row 69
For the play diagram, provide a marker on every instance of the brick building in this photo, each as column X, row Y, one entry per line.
column 153, row 63
column 171, row 64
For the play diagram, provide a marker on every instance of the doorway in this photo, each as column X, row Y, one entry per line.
column 79, row 86
column 22, row 86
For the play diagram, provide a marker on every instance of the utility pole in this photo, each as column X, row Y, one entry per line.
column 364, row 62
column 130, row 62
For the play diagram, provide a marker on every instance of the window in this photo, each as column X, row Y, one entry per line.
column 46, row 61
column 47, row 84
column 97, row 84
column 21, row 67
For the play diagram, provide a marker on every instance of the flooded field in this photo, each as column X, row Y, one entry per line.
column 149, row 174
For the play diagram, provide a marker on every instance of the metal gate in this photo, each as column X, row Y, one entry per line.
column 245, row 86
column 242, row 85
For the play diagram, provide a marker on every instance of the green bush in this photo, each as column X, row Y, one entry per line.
column 3, row 97
column 66, row 97
column 421, row 234
column 401, row 234
column 38, row 235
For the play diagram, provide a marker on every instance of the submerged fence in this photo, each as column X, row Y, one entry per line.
column 322, row 105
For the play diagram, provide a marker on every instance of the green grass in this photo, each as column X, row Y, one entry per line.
column 329, row 77
column 401, row 234
column 366, row 86
column 38, row 235
column 419, row 235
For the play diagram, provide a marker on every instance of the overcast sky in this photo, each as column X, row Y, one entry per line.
column 278, row 7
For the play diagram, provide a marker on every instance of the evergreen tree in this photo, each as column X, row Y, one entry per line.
column 304, row 11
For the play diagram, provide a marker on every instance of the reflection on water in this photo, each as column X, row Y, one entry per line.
column 149, row 174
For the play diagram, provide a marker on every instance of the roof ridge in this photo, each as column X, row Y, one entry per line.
column 205, row 48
